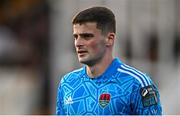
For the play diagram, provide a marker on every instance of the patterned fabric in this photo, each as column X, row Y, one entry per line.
column 121, row 89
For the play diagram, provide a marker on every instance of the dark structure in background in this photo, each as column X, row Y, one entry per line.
column 28, row 21
column 176, row 49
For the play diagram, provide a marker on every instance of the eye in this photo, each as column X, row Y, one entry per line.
column 87, row 36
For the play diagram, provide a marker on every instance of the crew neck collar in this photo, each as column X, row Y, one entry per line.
column 111, row 69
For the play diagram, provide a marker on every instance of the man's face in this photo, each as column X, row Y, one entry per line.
column 89, row 43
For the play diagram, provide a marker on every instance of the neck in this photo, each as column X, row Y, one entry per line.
column 99, row 68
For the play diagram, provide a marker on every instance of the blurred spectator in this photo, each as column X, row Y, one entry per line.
column 24, row 53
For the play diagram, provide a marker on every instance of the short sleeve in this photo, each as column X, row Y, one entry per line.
column 146, row 100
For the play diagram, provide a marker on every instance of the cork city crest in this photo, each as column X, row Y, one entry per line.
column 104, row 99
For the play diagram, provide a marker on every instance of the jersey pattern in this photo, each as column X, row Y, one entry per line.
column 121, row 89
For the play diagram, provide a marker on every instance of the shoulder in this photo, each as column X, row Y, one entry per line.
column 73, row 74
column 69, row 80
column 138, row 76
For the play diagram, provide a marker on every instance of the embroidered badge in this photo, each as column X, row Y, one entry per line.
column 149, row 96
column 104, row 99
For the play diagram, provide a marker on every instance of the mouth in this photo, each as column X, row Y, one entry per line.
column 81, row 52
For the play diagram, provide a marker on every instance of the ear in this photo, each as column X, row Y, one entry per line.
column 110, row 39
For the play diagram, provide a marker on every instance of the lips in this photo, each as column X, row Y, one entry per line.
column 81, row 52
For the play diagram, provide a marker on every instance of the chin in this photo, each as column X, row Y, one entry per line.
column 87, row 62
column 83, row 60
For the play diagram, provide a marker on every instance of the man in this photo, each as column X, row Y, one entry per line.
column 104, row 85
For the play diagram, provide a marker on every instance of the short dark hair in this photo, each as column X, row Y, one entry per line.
column 103, row 16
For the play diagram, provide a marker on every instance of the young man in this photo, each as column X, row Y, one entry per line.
column 104, row 85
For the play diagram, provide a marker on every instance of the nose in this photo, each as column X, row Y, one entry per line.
column 78, row 42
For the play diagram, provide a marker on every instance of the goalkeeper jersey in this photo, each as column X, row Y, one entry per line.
column 121, row 89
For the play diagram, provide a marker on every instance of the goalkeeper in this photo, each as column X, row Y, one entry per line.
column 104, row 85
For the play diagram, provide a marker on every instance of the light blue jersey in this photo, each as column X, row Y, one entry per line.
column 121, row 89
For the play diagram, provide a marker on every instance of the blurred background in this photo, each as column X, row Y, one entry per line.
column 36, row 48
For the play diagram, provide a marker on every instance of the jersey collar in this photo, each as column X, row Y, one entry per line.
column 111, row 70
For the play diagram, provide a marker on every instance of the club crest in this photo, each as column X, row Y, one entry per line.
column 104, row 99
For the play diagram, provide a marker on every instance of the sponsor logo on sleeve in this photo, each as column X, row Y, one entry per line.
column 149, row 96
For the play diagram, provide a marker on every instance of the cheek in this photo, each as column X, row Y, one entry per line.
column 96, row 46
column 93, row 45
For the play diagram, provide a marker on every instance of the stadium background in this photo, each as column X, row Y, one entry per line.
column 36, row 47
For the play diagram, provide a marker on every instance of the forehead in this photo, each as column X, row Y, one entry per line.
column 85, row 27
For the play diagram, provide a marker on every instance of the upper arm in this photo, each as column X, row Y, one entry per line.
column 146, row 101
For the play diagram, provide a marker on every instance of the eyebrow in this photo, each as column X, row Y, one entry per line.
column 84, row 35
